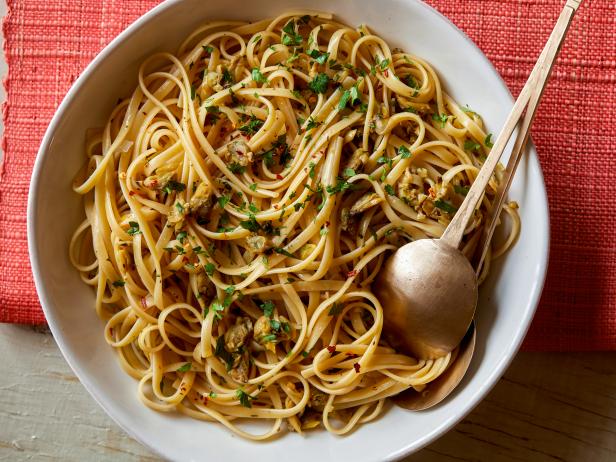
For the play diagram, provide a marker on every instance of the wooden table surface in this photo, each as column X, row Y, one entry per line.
column 548, row 407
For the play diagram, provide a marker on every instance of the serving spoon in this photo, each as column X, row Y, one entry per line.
column 430, row 286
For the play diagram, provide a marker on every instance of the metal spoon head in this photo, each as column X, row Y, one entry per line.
column 438, row 390
column 428, row 290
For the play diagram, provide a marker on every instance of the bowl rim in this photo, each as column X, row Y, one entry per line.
column 413, row 445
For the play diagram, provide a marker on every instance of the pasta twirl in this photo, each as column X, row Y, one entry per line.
column 241, row 201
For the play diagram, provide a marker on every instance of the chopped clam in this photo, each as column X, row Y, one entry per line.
column 364, row 203
column 241, row 368
column 201, row 201
column 238, row 334
column 256, row 243
column 239, row 153
column 357, row 160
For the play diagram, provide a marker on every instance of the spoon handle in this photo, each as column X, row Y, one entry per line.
column 532, row 89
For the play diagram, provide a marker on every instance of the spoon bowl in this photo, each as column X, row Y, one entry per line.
column 429, row 293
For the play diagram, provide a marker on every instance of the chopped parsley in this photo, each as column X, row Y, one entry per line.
column 173, row 185
column 442, row 118
column 184, row 368
column 488, row 141
column 312, row 123
column 319, row 83
column 389, row 189
column 236, row 168
column 227, row 78
column 118, row 283
column 384, row 64
column 245, row 398
column 251, row 224
column 222, row 353
column 463, row 190
column 268, row 308
column 208, row 49
column 181, row 236
column 284, row 252
column 445, row 206
column 404, row 152
column 471, row 145
column 223, row 200
column 252, row 126
column 253, row 187
column 349, row 172
column 349, row 96
column 257, row 76
column 179, row 207
column 134, row 228
column 311, row 172
column 209, row 269
column 341, row 186
column 318, row 56
column 290, row 36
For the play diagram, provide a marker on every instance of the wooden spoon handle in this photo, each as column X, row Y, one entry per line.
column 534, row 86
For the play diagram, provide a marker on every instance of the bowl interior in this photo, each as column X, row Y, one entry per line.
column 507, row 300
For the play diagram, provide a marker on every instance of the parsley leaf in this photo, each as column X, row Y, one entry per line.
column 389, row 189
column 268, row 308
column 349, row 172
column 384, row 64
column 319, row 83
column 312, row 123
column 134, row 228
column 445, row 206
column 209, row 269
column 245, row 398
column 118, row 283
column 471, row 145
column 173, row 185
column 463, row 190
column 251, row 224
column 488, row 141
column 319, row 57
column 184, row 368
column 252, row 126
column 222, row 353
column 442, row 118
column 223, row 200
column 290, row 37
column 404, row 152
column 257, row 76
column 284, row 252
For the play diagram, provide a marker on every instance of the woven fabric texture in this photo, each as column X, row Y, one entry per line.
column 48, row 43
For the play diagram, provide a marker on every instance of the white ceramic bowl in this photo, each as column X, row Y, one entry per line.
column 508, row 300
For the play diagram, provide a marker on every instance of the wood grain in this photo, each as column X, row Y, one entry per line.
column 548, row 407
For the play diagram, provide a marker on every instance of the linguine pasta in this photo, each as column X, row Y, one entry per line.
column 241, row 201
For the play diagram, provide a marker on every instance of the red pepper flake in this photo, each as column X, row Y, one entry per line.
column 352, row 355
column 279, row 176
column 205, row 400
column 331, row 349
column 352, row 274
column 356, row 366
column 131, row 193
column 327, row 224
column 144, row 303
column 386, row 73
column 276, row 206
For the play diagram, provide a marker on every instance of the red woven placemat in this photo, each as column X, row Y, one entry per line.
column 48, row 43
